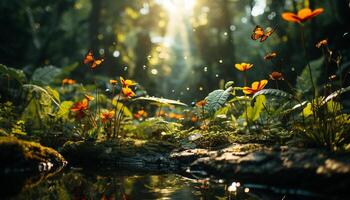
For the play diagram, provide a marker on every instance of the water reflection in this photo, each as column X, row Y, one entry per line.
column 81, row 185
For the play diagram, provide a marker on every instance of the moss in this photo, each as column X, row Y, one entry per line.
column 20, row 154
column 91, row 152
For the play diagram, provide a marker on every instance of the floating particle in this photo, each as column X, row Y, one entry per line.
column 232, row 27
column 221, row 61
column 187, row 88
column 125, row 68
column 144, row 67
column 200, row 88
column 116, row 53
column 293, row 69
column 154, row 71
column 173, row 91
column 185, row 57
column 246, row 190
column 205, row 69
column 225, row 34
column 217, row 75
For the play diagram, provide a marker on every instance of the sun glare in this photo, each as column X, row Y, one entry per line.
column 179, row 6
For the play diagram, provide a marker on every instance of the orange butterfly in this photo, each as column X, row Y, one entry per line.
column 259, row 32
column 91, row 61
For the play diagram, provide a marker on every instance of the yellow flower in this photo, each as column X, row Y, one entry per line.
column 256, row 87
column 128, row 92
column 302, row 16
column 127, row 82
column 243, row 66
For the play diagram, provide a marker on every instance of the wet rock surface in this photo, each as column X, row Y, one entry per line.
column 23, row 156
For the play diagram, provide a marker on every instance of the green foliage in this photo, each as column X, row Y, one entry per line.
column 35, row 88
column 160, row 101
column 274, row 92
column 7, row 115
column 64, row 110
column 19, row 128
column 45, row 75
column 254, row 112
column 304, row 84
column 217, row 99
column 13, row 73
column 336, row 94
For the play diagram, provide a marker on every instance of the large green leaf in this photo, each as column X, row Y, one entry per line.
column 63, row 111
column 160, row 101
column 253, row 113
column 304, row 84
column 45, row 75
column 216, row 99
column 39, row 89
column 336, row 94
column 13, row 73
column 273, row 92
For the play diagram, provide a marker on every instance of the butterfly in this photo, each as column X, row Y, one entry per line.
column 90, row 60
column 259, row 32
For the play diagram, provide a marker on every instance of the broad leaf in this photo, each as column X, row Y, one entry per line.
column 217, row 99
column 64, row 109
column 13, row 73
column 45, row 75
column 273, row 92
column 336, row 94
column 40, row 90
column 160, row 101
column 254, row 112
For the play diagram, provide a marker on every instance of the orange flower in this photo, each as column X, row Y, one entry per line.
column 322, row 43
column 302, row 16
column 140, row 114
column 128, row 92
column 113, row 82
column 194, row 118
column 256, row 87
column 88, row 97
column 68, row 81
column 201, row 103
column 107, row 116
column 276, row 76
column 243, row 66
column 80, row 107
column 127, row 82
column 270, row 56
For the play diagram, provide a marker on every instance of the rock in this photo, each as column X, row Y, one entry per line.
column 23, row 156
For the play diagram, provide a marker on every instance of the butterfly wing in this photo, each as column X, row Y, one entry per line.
column 96, row 63
column 266, row 35
column 89, row 58
column 258, row 32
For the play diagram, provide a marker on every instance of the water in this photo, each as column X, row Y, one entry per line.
column 81, row 185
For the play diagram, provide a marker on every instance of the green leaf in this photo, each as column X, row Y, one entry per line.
column 336, row 94
column 217, row 99
column 37, row 88
column 160, row 101
column 53, row 93
column 304, row 84
column 45, row 75
column 121, row 106
column 307, row 111
column 253, row 113
column 64, row 109
column 273, row 92
column 13, row 73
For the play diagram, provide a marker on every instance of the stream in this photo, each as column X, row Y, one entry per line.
column 78, row 184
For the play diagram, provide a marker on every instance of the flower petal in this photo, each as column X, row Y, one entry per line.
column 248, row 90
column 291, row 17
column 304, row 13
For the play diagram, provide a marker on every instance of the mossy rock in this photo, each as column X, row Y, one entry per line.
column 22, row 156
column 97, row 153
